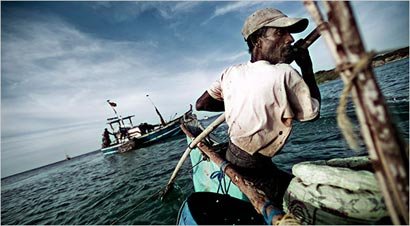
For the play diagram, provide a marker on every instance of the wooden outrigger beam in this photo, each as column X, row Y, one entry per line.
column 387, row 149
column 257, row 199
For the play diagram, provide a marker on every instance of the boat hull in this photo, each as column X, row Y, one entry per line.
column 111, row 149
column 170, row 130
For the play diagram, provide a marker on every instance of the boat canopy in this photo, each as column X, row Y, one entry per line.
column 117, row 120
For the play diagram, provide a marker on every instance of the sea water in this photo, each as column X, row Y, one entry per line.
column 125, row 188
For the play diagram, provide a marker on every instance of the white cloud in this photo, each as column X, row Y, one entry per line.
column 51, row 70
column 239, row 6
column 233, row 7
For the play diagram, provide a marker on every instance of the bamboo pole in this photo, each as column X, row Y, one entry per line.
column 386, row 148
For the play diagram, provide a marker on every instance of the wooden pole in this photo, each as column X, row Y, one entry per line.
column 387, row 149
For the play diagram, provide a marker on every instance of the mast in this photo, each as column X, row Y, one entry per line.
column 156, row 109
column 387, row 149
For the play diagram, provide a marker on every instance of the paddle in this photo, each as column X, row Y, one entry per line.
column 191, row 146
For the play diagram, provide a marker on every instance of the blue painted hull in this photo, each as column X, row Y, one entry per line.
column 185, row 216
column 172, row 129
column 202, row 172
column 111, row 150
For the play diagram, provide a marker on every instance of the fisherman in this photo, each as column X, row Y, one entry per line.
column 106, row 138
column 262, row 97
column 143, row 128
column 123, row 132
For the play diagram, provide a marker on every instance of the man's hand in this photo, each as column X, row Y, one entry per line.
column 302, row 57
column 208, row 103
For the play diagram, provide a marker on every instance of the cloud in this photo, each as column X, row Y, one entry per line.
column 124, row 11
column 232, row 7
column 53, row 71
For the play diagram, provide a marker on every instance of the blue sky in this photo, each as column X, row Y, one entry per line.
column 61, row 61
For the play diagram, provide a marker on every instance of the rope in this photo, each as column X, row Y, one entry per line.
column 220, row 175
column 273, row 213
column 343, row 120
column 287, row 219
column 203, row 159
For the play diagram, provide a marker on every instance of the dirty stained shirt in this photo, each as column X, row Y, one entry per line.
column 261, row 99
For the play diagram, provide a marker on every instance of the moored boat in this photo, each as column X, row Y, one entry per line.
column 160, row 133
column 129, row 136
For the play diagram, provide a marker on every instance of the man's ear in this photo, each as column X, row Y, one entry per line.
column 256, row 42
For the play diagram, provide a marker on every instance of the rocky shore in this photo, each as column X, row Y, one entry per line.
column 379, row 60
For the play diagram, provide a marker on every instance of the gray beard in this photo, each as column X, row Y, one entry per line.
column 287, row 55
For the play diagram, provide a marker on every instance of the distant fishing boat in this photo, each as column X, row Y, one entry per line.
column 130, row 137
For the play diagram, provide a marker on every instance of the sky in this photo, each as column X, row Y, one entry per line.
column 61, row 62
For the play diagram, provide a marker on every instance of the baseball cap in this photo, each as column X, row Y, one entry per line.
column 272, row 18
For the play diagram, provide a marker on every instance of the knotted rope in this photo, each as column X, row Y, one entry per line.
column 343, row 120
column 220, row 175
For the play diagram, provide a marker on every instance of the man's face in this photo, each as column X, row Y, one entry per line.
column 275, row 45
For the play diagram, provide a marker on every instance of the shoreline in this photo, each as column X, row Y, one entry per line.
column 380, row 59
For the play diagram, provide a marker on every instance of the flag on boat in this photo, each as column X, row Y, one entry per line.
column 112, row 104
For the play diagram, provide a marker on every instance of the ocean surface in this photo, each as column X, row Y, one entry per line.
column 124, row 188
